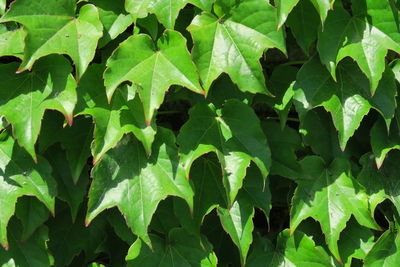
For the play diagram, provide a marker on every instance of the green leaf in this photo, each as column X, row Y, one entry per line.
column 283, row 143
column 11, row 41
column 52, row 28
column 32, row 214
column 233, row 133
column 355, row 242
column 166, row 11
column 382, row 141
column 25, row 97
column 123, row 115
column 304, row 24
column 234, row 43
column 2, row 6
column 153, row 70
column 31, row 253
column 383, row 183
column 21, row 176
column 386, row 251
column 330, row 195
column 180, row 249
column 136, row 184
column 113, row 17
column 237, row 221
column 348, row 99
column 346, row 36
column 291, row 250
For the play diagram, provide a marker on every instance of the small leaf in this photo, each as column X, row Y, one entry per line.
column 20, row 176
column 53, row 29
column 234, row 43
column 386, row 250
column 383, row 142
column 153, row 70
column 11, row 41
column 135, row 183
column 25, row 97
column 329, row 195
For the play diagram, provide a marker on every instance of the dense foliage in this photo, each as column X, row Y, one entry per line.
column 199, row 133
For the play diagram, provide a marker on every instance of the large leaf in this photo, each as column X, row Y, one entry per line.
column 20, row 176
column 153, row 70
column 233, row 133
column 330, row 195
column 180, row 249
column 25, row 97
column 234, row 43
column 123, row 115
column 135, row 183
column 166, row 11
column 354, row 36
column 53, row 29
column 348, row 99
column 291, row 250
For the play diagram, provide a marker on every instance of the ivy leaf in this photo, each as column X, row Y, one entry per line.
column 32, row 214
column 233, row 133
column 31, row 253
column 234, row 43
column 284, row 7
column 136, row 184
column 382, row 141
column 21, row 176
column 346, row 36
column 304, row 24
column 114, row 19
column 166, row 11
column 11, row 41
column 348, row 99
column 295, row 249
column 383, row 183
column 283, row 143
column 386, row 250
column 25, row 97
column 237, row 221
column 123, row 115
column 329, row 195
column 53, row 29
column 153, row 70
column 180, row 249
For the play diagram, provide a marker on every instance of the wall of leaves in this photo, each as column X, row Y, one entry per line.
column 199, row 133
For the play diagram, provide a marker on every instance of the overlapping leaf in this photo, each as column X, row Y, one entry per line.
column 355, row 37
column 234, row 134
column 153, row 70
column 52, row 28
column 234, row 42
column 11, row 41
column 128, row 179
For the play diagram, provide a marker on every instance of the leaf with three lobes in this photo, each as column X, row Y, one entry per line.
column 233, row 133
column 113, row 17
column 348, row 100
column 295, row 249
column 383, row 183
column 52, row 28
column 386, row 251
column 123, row 115
column 31, row 253
column 128, row 179
column 25, row 97
column 166, row 11
column 330, row 195
column 235, row 42
column 153, row 70
column 20, row 176
column 346, row 36
column 382, row 141
column 180, row 249
column 12, row 41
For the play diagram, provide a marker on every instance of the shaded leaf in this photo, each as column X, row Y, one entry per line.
column 11, row 41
